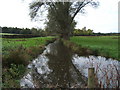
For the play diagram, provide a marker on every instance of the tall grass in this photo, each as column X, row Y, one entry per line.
column 105, row 45
column 17, row 53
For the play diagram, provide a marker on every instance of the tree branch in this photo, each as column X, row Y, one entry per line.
column 82, row 4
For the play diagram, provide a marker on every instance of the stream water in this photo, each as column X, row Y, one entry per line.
column 57, row 66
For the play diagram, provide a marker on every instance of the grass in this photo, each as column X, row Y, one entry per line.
column 8, row 44
column 8, row 34
column 106, row 45
column 17, row 54
column 75, row 48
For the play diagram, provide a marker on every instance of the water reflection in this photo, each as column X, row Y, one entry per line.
column 57, row 66
column 106, row 70
column 53, row 68
column 60, row 61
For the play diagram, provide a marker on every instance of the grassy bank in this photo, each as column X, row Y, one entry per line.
column 16, row 55
column 103, row 45
column 11, row 44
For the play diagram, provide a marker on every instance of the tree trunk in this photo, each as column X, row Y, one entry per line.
column 65, row 36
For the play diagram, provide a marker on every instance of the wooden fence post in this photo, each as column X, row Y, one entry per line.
column 91, row 78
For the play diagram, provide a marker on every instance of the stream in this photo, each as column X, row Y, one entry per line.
column 58, row 67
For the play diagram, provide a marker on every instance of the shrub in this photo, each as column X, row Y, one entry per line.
column 11, row 76
column 35, row 51
column 17, row 56
column 22, row 55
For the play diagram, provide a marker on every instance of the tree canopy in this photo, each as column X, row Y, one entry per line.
column 61, row 14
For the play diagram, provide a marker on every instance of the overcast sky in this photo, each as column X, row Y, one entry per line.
column 15, row 13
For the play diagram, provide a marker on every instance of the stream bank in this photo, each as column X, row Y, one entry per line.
column 15, row 61
column 59, row 67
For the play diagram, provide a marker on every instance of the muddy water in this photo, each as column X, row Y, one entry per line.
column 57, row 66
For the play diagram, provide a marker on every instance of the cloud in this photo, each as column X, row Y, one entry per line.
column 15, row 13
column 102, row 19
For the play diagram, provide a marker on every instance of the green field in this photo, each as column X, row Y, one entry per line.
column 8, row 44
column 7, row 34
column 105, row 45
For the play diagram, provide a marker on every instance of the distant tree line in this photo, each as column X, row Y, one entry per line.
column 46, row 32
column 89, row 32
column 106, row 34
column 83, row 31
column 16, row 30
